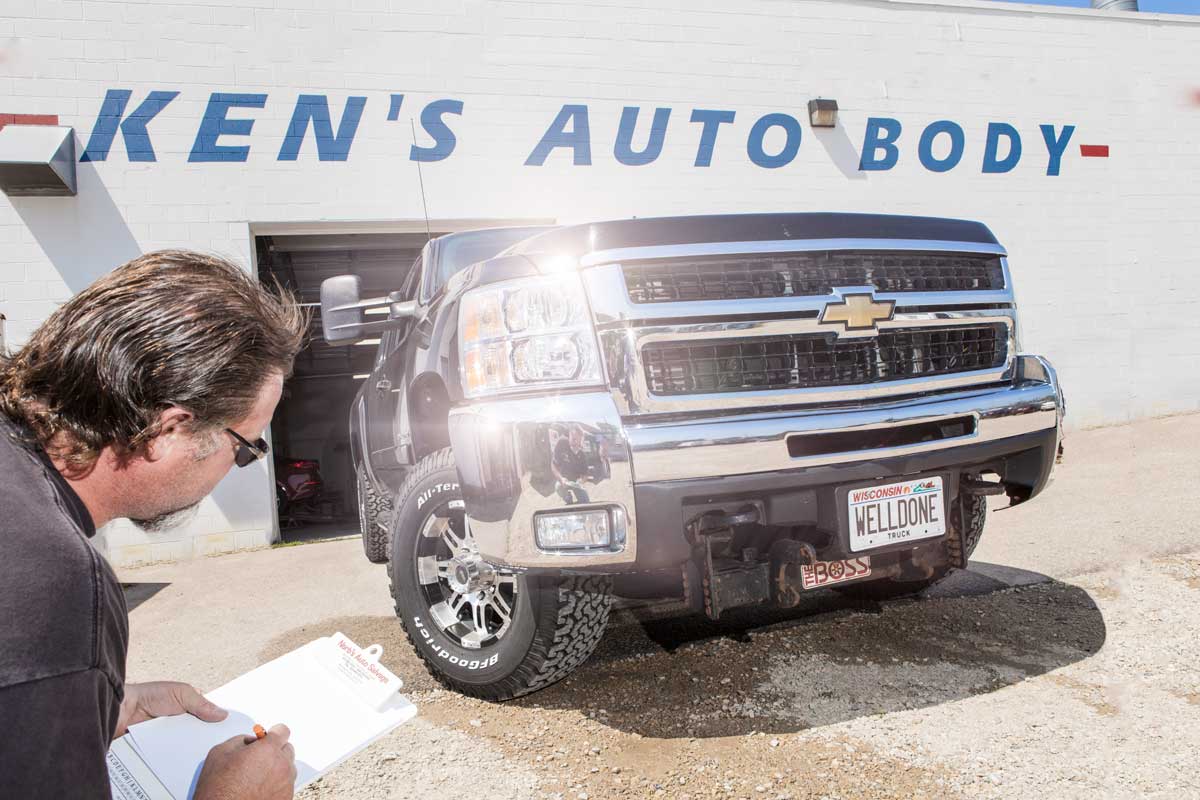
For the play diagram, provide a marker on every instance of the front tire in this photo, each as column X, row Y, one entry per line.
column 483, row 632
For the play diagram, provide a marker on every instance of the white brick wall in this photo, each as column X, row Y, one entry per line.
column 1102, row 254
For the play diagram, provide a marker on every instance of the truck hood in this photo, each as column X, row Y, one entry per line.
column 579, row 240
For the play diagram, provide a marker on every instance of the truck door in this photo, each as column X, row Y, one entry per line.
column 388, row 439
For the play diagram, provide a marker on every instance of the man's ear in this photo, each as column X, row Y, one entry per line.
column 173, row 432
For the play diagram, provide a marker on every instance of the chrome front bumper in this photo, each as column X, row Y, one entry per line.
column 505, row 451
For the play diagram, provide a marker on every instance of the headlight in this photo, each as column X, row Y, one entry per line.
column 535, row 332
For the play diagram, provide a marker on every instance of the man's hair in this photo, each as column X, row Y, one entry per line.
column 169, row 328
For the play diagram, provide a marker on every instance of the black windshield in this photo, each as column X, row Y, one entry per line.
column 460, row 250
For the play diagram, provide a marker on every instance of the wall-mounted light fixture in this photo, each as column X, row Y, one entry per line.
column 822, row 113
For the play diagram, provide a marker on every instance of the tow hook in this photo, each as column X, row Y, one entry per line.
column 715, row 578
column 977, row 486
column 787, row 555
column 718, row 522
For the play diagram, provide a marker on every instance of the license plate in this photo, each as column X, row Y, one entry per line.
column 824, row 573
column 895, row 512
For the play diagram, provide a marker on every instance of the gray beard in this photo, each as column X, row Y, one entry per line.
column 167, row 520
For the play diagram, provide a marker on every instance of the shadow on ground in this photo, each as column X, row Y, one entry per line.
column 138, row 593
column 660, row 672
column 670, row 625
column 321, row 531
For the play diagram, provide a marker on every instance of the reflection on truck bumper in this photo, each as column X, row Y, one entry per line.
column 524, row 457
column 518, row 458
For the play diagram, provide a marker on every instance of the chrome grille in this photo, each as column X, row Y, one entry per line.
column 815, row 360
column 801, row 274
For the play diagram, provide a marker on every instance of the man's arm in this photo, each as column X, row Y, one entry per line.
column 145, row 701
column 248, row 768
column 56, row 734
column 242, row 768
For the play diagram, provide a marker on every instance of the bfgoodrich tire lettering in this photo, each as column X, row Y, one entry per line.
column 555, row 622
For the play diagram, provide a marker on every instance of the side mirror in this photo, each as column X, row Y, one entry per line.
column 343, row 311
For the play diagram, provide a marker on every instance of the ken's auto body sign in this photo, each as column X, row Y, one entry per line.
column 225, row 133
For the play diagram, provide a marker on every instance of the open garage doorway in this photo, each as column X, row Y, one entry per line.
column 314, row 477
column 315, row 485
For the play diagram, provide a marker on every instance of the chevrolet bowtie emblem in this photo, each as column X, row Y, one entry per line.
column 858, row 312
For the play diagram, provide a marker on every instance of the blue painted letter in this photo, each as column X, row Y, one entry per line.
column 214, row 125
column 394, row 107
column 754, row 145
column 991, row 149
column 925, row 147
column 315, row 107
column 1056, row 146
column 708, row 134
column 133, row 129
column 882, row 133
column 579, row 139
column 443, row 138
column 623, row 149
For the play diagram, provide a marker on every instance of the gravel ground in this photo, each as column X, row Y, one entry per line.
column 1063, row 664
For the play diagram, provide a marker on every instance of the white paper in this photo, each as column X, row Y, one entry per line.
column 328, row 722
column 128, row 776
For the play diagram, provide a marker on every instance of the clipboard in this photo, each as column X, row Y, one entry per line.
column 335, row 697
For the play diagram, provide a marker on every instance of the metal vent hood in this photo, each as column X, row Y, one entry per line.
column 37, row 160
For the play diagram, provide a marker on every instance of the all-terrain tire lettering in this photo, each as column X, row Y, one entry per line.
column 434, row 491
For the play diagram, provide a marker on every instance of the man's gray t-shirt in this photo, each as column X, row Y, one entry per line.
column 64, row 632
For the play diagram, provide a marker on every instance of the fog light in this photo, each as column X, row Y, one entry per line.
column 573, row 531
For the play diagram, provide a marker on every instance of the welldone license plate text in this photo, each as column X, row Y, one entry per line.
column 895, row 512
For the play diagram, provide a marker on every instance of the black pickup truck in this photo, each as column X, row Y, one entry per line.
column 730, row 410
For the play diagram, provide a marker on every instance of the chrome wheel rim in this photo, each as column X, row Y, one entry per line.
column 469, row 601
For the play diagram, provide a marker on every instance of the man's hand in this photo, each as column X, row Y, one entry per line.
column 246, row 768
column 145, row 701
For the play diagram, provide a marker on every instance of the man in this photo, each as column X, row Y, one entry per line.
column 131, row 401
column 570, row 465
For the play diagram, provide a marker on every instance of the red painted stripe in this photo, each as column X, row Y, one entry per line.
column 28, row 119
column 1093, row 150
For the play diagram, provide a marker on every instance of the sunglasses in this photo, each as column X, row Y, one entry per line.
column 248, row 452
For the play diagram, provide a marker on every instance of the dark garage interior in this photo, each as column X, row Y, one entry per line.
column 310, row 424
